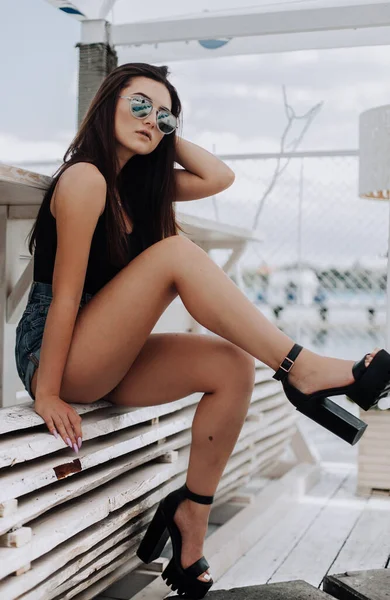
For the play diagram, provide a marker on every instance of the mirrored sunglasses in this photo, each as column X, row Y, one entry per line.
column 141, row 107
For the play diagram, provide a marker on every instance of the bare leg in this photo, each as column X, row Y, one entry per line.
column 218, row 304
column 217, row 424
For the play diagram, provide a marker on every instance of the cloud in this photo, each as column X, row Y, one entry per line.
column 14, row 149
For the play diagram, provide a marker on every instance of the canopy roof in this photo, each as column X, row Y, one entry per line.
column 269, row 26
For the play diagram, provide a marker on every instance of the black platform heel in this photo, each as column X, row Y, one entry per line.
column 371, row 383
column 183, row 581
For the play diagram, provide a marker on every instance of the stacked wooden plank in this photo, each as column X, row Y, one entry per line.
column 374, row 454
column 66, row 517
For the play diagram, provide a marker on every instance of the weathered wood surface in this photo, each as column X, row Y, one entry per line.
column 329, row 530
column 374, row 453
column 279, row 552
column 372, row 584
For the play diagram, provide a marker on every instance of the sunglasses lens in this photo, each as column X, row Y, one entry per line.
column 166, row 122
column 140, row 107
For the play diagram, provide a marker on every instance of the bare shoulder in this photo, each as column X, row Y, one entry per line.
column 84, row 174
column 81, row 183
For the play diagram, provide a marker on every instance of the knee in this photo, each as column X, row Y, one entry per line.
column 240, row 368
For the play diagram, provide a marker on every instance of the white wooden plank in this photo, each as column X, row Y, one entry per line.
column 23, row 416
column 34, row 445
column 87, row 544
column 263, row 559
column 23, row 479
column 368, row 545
column 36, row 504
column 70, row 519
column 316, row 549
column 81, row 577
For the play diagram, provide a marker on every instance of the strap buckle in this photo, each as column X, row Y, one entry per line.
column 289, row 368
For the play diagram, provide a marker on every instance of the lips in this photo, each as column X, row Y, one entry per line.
column 145, row 133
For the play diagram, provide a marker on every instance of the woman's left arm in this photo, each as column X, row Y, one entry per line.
column 203, row 174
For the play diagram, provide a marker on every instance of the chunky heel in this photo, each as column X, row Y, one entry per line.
column 155, row 538
column 185, row 581
column 335, row 419
column 371, row 383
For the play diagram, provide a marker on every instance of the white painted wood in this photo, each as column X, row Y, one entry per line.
column 18, row 293
column 33, row 507
column 368, row 545
column 268, row 554
column 311, row 556
column 267, row 20
column 374, row 452
column 304, row 450
column 257, row 44
column 17, row 538
column 99, row 537
column 8, row 507
column 113, row 419
column 15, row 418
column 65, row 463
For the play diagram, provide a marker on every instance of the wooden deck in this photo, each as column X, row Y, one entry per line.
column 328, row 530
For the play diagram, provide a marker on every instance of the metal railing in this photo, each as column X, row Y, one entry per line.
column 321, row 272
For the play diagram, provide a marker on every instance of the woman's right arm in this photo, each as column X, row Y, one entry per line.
column 79, row 200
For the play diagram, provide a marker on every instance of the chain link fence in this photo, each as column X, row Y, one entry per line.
column 320, row 271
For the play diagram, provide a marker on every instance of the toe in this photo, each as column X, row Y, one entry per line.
column 206, row 576
column 370, row 356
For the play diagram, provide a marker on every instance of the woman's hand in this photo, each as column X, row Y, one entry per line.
column 61, row 417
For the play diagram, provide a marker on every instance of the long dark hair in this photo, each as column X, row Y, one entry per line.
column 145, row 185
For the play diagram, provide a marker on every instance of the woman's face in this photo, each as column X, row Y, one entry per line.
column 129, row 142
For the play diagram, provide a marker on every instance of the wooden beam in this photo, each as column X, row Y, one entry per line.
column 260, row 22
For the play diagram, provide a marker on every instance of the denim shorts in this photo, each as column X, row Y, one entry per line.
column 29, row 331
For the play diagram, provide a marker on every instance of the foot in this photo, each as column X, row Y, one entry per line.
column 191, row 519
column 312, row 372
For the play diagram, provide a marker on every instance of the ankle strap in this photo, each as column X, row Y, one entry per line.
column 287, row 364
column 197, row 497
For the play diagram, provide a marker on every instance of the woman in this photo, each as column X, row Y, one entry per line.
column 108, row 261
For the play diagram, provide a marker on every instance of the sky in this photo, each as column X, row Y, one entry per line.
column 230, row 104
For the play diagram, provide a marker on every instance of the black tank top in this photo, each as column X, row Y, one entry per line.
column 99, row 270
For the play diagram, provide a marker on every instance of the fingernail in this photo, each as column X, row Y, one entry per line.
column 79, row 441
column 69, row 443
column 75, row 448
column 55, row 433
